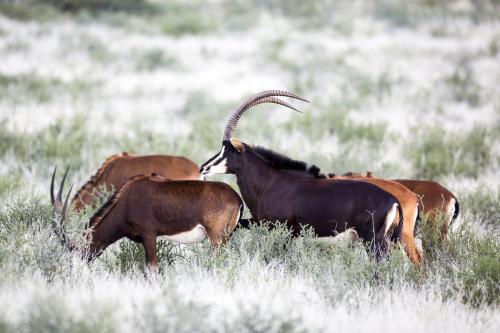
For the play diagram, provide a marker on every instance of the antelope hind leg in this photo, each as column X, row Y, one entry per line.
column 149, row 243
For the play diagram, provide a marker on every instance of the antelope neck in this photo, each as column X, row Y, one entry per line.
column 253, row 178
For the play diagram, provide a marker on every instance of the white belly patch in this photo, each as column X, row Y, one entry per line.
column 195, row 235
column 342, row 239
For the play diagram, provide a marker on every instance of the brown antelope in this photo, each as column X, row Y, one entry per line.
column 296, row 196
column 435, row 200
column 409, row 204
column 117, row 169
column 149, row 207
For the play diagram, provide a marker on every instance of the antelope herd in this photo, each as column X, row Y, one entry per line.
column 166, row 197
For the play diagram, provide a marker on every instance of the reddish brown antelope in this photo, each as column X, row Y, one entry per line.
column 295, row 196
column 117, row 169
column 149, row 207
column 409, row 204
column 436, row 201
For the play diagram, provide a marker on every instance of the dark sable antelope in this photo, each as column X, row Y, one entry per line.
column 149, row 207
column 409, row 204
column 117, row 169
column 295, row 197
column 436, row 201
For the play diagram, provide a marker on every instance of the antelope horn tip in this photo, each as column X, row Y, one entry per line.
column 52, row 198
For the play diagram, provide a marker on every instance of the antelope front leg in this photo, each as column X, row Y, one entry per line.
column 149, row 243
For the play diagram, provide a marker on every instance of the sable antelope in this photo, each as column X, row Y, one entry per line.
column 297, row 198
column 150, row 207
column 409, row 204
column 117, row 169
column 435, row 200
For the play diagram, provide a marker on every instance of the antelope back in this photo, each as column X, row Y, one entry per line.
column 86, row 194
column 118, row 169
column 168, row 167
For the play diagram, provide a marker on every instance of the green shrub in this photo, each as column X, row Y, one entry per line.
column 334, row 121
column 25, row 230
column 182, row 18
column 466, row 265
column 435, row 152
column 481, row 282
column 60, row 141
column 483, row 205
column 171, row 312
column 19, row 88
column 22, row 88
column 154, row 59
column 129, row 256
column 50, row 313
column 28, row 10
column 95, row 6
column 9, row 183
column 430, row 233
column 187, row 24
column 462, row 84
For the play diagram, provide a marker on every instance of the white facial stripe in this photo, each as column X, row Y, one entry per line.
column 216, row 165
column 221, row 167
column 215, row 159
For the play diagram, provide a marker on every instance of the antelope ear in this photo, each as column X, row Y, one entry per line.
column 237, row 144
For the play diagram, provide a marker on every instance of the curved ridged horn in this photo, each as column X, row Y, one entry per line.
column 250, row 102
column 61, row 187
column 275, row 101
column 64, row 238
column 52, row 199
column 57, row 202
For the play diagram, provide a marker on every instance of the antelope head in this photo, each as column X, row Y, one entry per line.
column 232, row 154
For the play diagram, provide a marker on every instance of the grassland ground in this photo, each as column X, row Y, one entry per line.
column 404, row 89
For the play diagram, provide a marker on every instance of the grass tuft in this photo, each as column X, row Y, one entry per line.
column 436, row 152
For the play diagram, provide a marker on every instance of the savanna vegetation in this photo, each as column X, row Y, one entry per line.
column 404, row 89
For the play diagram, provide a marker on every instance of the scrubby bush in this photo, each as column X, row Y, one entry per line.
column 436, row 152
column 63, row 140
column 482, row 204
column 74, row 6
column 334, row 121
column 350, row 61
column 31, row 87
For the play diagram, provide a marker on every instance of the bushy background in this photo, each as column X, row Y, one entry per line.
column 404, row 89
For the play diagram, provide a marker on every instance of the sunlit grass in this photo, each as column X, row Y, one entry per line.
column 162, row 77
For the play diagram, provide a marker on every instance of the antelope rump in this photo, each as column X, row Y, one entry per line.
column 435, row 201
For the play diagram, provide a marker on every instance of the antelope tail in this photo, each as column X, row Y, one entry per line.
column 396, row 234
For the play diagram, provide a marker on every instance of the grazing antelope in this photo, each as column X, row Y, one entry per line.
column 149, row 207
column 293, row 195
column 409, row 204
column 435, row 199
column 117, row 169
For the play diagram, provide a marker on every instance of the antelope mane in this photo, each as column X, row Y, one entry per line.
column 279, row 161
